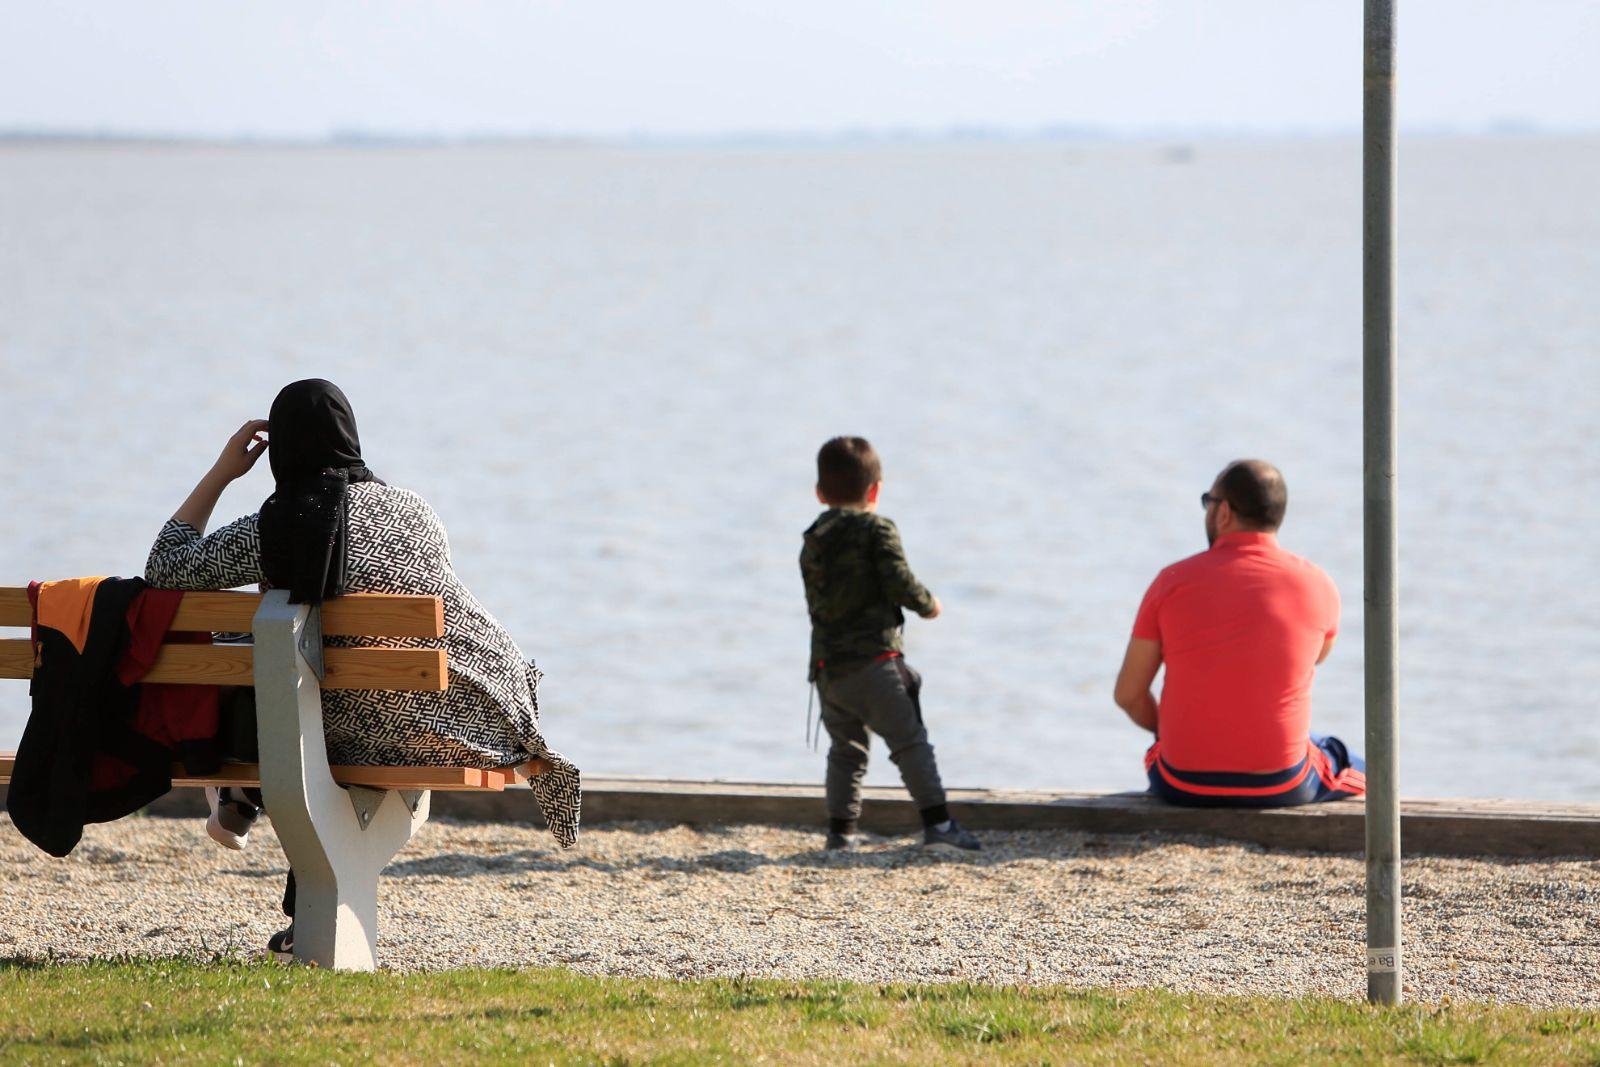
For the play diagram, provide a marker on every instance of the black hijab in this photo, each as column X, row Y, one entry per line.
column 315, row 455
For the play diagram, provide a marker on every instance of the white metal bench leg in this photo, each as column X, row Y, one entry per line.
column 337, row 841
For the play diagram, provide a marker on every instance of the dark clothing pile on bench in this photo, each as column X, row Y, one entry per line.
column 98, row 745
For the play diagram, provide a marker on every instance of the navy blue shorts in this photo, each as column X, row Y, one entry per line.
column 1330, row 771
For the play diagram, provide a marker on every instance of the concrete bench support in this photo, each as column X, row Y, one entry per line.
column 337, row 840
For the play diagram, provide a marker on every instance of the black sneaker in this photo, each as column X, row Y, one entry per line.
column 838, row 842
column 281, row 945
column 232, row 817
column 951, row 839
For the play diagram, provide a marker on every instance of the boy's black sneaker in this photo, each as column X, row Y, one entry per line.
column 281, row 945
column 951, row 839
column 838, row 842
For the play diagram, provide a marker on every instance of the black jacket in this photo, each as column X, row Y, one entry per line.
column 79, row 708
column 857, row 581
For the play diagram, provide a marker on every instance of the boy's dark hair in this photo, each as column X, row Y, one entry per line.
column 846, row 468
column 1254, row 489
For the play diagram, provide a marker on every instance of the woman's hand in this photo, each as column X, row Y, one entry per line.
column 241, row 451
column 238, row 456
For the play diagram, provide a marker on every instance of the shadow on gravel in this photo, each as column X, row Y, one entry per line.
column 879, row 854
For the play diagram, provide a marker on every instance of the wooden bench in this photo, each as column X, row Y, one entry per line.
column 339, row 826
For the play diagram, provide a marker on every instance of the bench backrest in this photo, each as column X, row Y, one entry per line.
column 375, row 615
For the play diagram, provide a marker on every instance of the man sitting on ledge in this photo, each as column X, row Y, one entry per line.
column 1241, row 628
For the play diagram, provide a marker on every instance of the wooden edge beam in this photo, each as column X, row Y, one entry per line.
column 353, row 615
column 412, row 670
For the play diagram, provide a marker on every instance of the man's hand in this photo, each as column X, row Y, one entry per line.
column 935, row 611
column 1138, row 673
column 241, row 451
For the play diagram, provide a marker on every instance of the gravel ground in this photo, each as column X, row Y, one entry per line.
column 675, row 901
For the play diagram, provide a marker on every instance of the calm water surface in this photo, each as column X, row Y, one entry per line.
column 609, row 371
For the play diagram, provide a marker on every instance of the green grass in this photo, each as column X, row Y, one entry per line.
column 182, row 1012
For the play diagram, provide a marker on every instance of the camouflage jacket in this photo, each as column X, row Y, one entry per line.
column 857, row 580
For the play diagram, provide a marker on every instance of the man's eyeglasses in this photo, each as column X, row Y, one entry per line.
column 1206, row 499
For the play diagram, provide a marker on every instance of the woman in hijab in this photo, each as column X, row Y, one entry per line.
column 331, row 526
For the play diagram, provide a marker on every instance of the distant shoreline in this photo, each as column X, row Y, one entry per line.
column 889, row 137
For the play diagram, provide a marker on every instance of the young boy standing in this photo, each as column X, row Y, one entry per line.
column 857, row 580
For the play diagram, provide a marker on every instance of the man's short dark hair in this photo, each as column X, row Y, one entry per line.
column 846, row 468
column 1254, row 489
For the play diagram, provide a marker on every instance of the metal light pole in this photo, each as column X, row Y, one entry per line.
column 1384, row 969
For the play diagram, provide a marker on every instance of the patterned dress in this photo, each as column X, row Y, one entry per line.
column 489, row 715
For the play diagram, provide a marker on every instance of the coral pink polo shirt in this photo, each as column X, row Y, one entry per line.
column 1240, row 626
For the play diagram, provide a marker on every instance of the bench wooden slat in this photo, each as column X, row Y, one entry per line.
column 353, row 615
column 14, row 610
column 249, row 774
column 444, row 778
column 417, row 670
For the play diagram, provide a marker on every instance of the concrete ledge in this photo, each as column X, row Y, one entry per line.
column 1508, row 828
column 1445, row 827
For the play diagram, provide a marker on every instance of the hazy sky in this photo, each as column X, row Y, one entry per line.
column 301, row 67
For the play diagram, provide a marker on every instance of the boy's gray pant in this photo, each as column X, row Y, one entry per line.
column 881, row 698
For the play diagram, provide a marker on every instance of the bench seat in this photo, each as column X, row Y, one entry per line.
column 338, row 825
column 249, row 774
